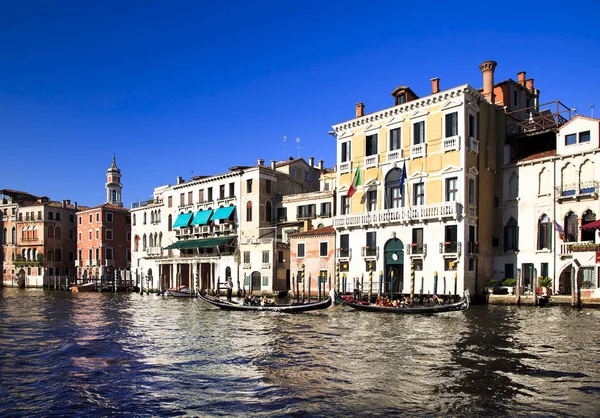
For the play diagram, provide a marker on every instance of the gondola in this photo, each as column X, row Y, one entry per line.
column 291, row 308
column 451, row 307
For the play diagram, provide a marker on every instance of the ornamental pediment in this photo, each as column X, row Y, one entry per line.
column 451, row 169
column 394, row 121
column 419, row 114
column 345, row 134
column 474, row 171
column 418, row 175
column 450, row 104
column 371, row 127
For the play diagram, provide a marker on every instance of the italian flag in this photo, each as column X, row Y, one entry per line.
column 356, row 181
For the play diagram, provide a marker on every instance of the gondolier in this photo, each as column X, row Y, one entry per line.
column 229, row 286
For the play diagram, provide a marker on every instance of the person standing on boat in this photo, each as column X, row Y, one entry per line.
column 356, row 294
column 229, row 286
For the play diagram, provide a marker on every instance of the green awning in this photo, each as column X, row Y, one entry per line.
column 182, row 220
column 201, row 218
column 171, row 247
column 222, row 213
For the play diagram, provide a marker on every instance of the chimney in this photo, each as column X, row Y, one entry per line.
column 311, row 161
column 521, row 76
column 179, row 179
column 272, row 164
column 260, row 161
column 529, row 85
column 321, row 165
column 64, row 204
column 435, row 85
column 75, row 205
column 487, row 69
column 360, row 109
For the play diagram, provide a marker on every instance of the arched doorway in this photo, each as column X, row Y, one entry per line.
column 564, row 280
column 255, row 282
column 21, row 279
column 394, row 266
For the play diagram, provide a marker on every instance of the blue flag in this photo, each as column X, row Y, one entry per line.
column 402, row 179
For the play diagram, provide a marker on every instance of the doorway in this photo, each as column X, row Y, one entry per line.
column 393, row 282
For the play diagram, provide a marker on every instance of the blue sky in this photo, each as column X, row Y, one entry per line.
column 181, row 87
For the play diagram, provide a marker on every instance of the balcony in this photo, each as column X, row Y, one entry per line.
column 372, row 161
column 345, row 167
column 417, row 249
column 567, row 248
column 226, row 201
column 154, row 251
column 473, row 145
column 577, row 191
column 538, row 118
column 344, row 253
column 266, row 266
column 224, row 228
column 447, row 210
column 77, row 263
column 183, row 232
column 418, row 150
column 395, row 155
column 246, row 266
column 450, row 247
column 452, row 143
column 88, row 263
column 369, row 252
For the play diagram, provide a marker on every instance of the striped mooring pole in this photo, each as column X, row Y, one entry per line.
column 412, row 282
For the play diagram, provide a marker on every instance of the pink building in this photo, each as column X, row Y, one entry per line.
column 312, row 252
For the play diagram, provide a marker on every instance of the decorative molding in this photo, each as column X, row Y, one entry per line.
column 474, row 171
column 395, row 120
column 345, row 134
column 371, row 127
column 418, row 174
column 419, row 114
column 451, row 169
column 450, row 104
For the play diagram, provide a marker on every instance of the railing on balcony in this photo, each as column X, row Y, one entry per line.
column 226, row 201
column 416, row 249
column 186, row 208
column 326, row 214
column 77, row 263
column 343, row 253
column 449, row 247
column 143, row 203
column 88, row 263
column 418, row 150
column 452, row 143
column 224, row 228
column 345, row 167
column 538, row 118
column 154, row 251
column 588, row 188
column 266, row 265
column 395, row 155
column 451, row 210
column 369, row 251
column 183, row 232
column 371, row 161
column 246, row 266
column 473, row 145
column 578, row 247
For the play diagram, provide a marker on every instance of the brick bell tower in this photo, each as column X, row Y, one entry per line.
column 113, row 184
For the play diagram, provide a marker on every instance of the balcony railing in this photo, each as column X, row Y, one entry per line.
column 77, row 263
column 473, row 145
column 371, row 161
column 449, row 247
column 345, row 167
column 452, row 143
column 266, row 265
column 579, row 190
column 88, row 263
column 369, row 252
column 537, row 118
column 395, row 155
column 343, row 253
column 418, row 150
column 448, row 210
column 224, row 228
column 183, row 232
column 578, row 247
column 154, row 251
column 416, row 249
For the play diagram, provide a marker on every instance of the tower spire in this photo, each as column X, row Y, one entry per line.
column 113, row 184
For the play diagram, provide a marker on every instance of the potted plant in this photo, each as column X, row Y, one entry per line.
column 491, row 285
column 544, row 285
column 510, row 283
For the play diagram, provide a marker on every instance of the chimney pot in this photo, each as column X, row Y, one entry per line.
column 260, row 161
column 320, row 164
column 529, row 85
column 360, row 109
column 179, row 179
column 311, row 161
column 521, row 78
column 487, row 69
column 435, row 85
column 272, row 164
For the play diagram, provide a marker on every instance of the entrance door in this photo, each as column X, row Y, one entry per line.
column 564, row 282
column 255, row 283
column 394, row 266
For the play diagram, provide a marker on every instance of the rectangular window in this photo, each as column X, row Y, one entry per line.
column 396, row 199
column 58, row 213
column 583, row 137
column 417, row 241
column 371, row 148
column 51, row 215
column 109, row 217
column 281, row 214
column 371, row 243
column 323, row 249
column 90, row 235
column 265, row 280
column 170, row 201
column 91, row 218
column 544, row 270
column 472, row 126
column 451, row 189
column 418, row 194
column 325, row 209
column 201, row 196
column 450, row 239
column 268, row 186
column 451, row 124
column 190, row 198
column 571, row 139
column 109, row 254
column 280, row 259
column 344, row 245
column 79, row 237
column 345, row 151
column 419, row 132
column 246, row 257
column 300, row 251
column 109, row 234
column 231, row 189
column 345, row 205
column 249, row 186
column 511, row 237
column 221, row 192
column 395, row 140
column 249, row 212
column 265, row 256
column 210, row 194
column 472, row 192
column 98, row 217
column 372, row 200
column 182, row 199
column 97, row 234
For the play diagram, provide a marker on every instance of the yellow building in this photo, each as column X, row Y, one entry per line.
column 438, row 219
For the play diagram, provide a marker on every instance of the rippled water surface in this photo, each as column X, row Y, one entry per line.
column 100, row 354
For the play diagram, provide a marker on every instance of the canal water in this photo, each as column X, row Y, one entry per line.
column 102, row 354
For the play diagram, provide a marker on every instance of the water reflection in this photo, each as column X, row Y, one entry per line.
column 103, row 354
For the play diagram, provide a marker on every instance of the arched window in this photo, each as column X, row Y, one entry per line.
column 29, row 254
column 170, row 222
column 151, row 240
column 23, row 254
column 249, row 212
column 34, row 254
column 513, row 186
column 144, row 243
column 156, row 240
column 50, row 255
column 544, row 233
column 23, row 234
column 13, row 235
column 268, row 212
column 34, row 233
column 511, row 235
column 145, row 218
column 134, row 219
column 394, row 197
column 568, row 180
column 571, row 227
column 159, row 216
column 5, row 236
column 544, row 181
column 586, row 172
column 57, row 255
column 57, row 233
column 136, row 243
column 50, row 232
column 160, row 239
column 588, row 216
column 152, row 217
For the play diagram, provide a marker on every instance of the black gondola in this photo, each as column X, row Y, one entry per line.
column 288, row 308
column 451, row 307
